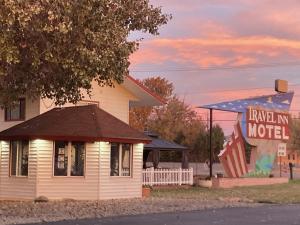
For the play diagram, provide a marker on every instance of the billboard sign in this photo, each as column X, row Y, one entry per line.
column 267, row 124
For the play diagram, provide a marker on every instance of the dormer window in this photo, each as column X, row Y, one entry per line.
column 16, row 112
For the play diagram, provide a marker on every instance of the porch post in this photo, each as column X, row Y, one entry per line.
column 184, row 160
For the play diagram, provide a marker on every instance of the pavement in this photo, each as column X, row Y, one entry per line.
column 266, row 215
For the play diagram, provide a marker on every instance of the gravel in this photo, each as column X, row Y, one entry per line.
column 22, row 212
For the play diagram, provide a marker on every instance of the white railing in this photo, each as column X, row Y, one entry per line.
column 179, row 176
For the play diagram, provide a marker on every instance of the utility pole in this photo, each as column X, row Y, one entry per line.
column 210, row 144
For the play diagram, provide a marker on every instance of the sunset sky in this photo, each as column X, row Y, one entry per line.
column 214, row 49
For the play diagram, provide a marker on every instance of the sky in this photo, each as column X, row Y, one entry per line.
column 219, row 50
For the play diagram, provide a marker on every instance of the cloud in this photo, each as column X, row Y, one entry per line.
column 223, row 33
column 206, row 52
column 216, row 33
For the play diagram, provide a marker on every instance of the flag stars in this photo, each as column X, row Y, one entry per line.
column 278, row 101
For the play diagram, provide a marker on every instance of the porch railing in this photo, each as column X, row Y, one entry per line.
column 179, row 176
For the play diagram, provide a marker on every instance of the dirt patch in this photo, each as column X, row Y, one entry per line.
column 13, row 212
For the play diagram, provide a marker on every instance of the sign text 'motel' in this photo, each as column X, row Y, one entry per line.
column 262, row 124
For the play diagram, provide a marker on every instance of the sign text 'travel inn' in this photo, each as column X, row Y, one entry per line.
column 270, row 125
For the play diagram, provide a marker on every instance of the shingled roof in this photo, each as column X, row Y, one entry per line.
column 161, row 144
column 78, row 123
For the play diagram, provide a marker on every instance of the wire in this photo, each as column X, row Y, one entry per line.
column 251, row 66
column 220, row 120
column 230, row 90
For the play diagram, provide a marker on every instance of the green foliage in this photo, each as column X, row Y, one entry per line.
column 201, row 152
column 294, row 142
column 55, row 48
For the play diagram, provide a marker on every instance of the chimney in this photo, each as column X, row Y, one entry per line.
column 281, row 86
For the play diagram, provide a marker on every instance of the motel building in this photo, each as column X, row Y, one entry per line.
column 84, row 152
column 292, row 156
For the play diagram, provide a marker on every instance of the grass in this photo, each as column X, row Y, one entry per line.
column 277, row 194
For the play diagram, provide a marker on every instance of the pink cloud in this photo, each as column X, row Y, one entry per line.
column 216, row 33
column 205, row 52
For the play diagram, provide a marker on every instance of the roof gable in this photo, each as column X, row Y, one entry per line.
column 78, row 123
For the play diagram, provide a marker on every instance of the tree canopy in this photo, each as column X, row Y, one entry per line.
column 294, row 142
column 176, row 121
column 55, row 48
column 139, row 116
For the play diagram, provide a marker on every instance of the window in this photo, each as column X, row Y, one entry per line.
column 69, row 158
column 19, row 158
column 77, row 159
column 61, row 158
column 120, row 159
column 114, row 159
column 16, row 112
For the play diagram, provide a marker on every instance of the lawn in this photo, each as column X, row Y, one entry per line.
column 277, row 194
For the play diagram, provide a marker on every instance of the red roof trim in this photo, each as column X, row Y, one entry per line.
column 146, row 89
column 85, row 139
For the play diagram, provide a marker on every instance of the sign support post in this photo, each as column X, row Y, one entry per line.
column 280, row 166
column 210, row 144
column 281, row 152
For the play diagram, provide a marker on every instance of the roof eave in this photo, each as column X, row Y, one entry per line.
column 75, row 138
column 165, row 149
column 145, row 96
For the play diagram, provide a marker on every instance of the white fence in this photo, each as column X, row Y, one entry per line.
column 198, row 168
column 179, row 176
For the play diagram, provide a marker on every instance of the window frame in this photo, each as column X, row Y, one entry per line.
column 53, row 163
column 120, row 160
column 10, row 160
column 69, row 162
column 70, row 158
column 7, row 110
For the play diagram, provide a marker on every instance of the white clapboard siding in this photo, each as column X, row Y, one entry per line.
column 81, row 188
column 12, row 187
column 120, row 187
column 114, row 100
column 167, row 176
column 32, row 109
column 96, row 184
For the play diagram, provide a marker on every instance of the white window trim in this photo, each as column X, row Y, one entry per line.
column 17, row 164
column 69, row 152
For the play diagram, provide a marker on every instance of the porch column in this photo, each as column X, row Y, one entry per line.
column 185, row 160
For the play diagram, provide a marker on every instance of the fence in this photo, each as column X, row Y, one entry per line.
column 179, row 176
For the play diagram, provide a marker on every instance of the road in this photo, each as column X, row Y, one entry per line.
column 266, row 215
